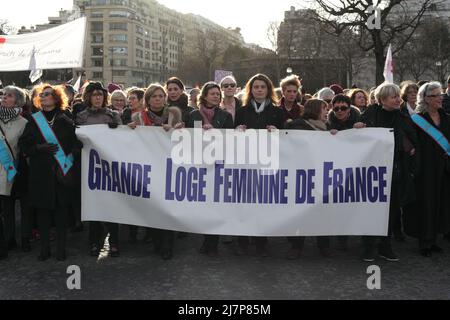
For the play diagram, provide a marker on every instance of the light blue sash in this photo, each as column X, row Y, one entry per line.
column 7, row 160
column 434, row 133
column 65, row 162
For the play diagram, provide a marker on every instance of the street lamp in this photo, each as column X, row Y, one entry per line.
column 439, row 69
column 289, row 70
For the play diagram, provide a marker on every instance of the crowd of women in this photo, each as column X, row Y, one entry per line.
column 41, row 157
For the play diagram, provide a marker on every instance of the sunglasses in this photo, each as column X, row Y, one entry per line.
column 337, row 109
column 229, row 85
column 44, row 94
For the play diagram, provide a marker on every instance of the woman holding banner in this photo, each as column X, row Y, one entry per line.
column 49, row 142
column 211, row 116
column 387, row 114
column 95, row 97
column 177, row 98
column 431, row 216
column 314, row 118
column 156, row 113
column 12, row 125
column 259, row 112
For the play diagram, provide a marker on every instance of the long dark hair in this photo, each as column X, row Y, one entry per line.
column 248, row 95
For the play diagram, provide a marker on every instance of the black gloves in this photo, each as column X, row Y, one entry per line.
column 113, row 125
column 47, row 148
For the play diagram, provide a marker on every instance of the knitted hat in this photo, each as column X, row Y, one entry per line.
column 113, row 87
column 337, row 89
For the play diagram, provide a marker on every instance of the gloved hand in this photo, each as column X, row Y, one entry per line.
column 47, row 148
column 113, row 125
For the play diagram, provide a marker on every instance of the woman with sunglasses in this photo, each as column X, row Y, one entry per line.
column 211, row 116
column 49, row 142
column 343, row 115
column 229, row 102
column 12, row 125
column 429, row 216
column 387, row 114
column 95, row 97
column 259, row 112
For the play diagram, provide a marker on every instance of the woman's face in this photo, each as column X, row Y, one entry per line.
column 341, row 111
column 260, row 90
column 134, row 102
column 411, row 96
column 229, row 88
column 174, row 92
column 118, row 103
column 212, row 98
column 157, row 100
column 434, row 99
column 392, row 102
column 8, row 100
column 360, row 100
column 46, row 97
column 97, row 99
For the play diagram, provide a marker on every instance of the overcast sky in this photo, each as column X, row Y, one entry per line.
column 252, row 16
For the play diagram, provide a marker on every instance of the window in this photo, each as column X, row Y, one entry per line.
column 119, row 73
column 119, row 14
column 97, row 26
column 118, row 62
column 97, row 75
column 97, row 62
column 118, row 38
column 147, row 44
column 118, row 26
column 97, row 14
column 139, row 64
column 139, row 30
column 119, row 50
column 147, row 55
column 139, row 42
column 139, row 53
column 97, row 51
column 97, row 38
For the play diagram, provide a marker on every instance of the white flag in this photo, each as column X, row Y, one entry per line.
column 77, row 84
column 35, row 74
column 389, row 67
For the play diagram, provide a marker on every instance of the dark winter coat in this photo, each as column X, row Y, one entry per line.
column 221, row 120
column 271, row 116
column 432, row 213
column 47, row 185
column 446, row 102
column 334, row 123
column 182, row 103
column 405, row 165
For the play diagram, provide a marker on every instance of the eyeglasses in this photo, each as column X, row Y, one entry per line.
column 337, row 109
column 44, row 94
column 433, row 95
column 229, row 85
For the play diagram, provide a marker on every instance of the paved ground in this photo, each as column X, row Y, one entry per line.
column 140, row 274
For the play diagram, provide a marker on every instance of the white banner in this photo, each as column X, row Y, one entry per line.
column 326, row 185
column 56, row 48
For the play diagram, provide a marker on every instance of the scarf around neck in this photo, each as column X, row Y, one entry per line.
column 261, row 107
column 207, row 114
column 8, row 114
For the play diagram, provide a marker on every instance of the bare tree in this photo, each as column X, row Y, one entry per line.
column 210, row 49
column 273, row 31
column 356, row 14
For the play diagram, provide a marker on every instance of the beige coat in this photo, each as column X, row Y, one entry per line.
column 13, row 130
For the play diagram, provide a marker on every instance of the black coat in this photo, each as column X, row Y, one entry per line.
column 299, row 124
column 432, row 213
column 182, row 104
column 46, row 184
column 446, row 103
column 405, row 136
column 334, row 123
column 221, row 120
column 271, row 116
column 126, row 115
